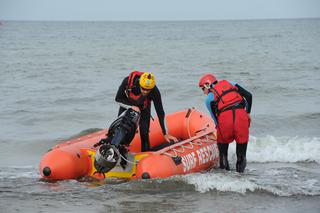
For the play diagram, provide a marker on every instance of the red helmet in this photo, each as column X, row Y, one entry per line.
column 207, row 80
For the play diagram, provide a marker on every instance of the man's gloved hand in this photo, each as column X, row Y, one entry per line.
column 170, row 138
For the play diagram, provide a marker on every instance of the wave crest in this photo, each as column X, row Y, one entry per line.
column 283, row 149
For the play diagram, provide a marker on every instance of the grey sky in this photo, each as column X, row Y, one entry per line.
column 156, row 9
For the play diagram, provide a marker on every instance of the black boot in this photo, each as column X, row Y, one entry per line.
column 223, row 152
column 224, row 164
column 241, row 157
column 241, row 164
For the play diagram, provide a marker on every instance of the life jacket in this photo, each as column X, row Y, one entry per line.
column 131, row 83
column 226, row 97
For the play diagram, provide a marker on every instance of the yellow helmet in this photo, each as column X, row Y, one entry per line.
column 147, row 80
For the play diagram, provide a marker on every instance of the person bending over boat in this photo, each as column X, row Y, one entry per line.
column 229, row 105
column 137, row 91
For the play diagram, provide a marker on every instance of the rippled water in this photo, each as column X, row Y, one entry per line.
column 59, row 80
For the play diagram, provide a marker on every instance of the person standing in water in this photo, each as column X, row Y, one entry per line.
column 229, row 105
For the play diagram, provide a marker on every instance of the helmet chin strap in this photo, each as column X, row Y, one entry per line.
column 207, row 86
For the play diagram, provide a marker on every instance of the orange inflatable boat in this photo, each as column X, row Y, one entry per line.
column 196, row 151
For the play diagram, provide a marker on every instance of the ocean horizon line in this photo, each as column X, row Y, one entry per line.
column 161, row 20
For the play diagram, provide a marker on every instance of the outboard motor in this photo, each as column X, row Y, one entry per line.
column 120, row 134
column 106, row 158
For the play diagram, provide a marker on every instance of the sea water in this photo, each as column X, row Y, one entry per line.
column 59, row 79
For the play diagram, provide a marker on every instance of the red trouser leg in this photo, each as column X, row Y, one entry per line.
column 241, row 126
column 233, row 125
column 225, row 127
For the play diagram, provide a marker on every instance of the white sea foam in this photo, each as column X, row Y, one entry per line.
column 14, row 172
column 281, row 149
column 220, row 182
column 233, row 182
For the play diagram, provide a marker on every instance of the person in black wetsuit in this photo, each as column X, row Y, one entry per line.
column 137, row 91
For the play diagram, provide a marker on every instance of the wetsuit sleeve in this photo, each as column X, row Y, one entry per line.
column 156, row 97
column 208, row 101
column 247, row 96
column 121, row 96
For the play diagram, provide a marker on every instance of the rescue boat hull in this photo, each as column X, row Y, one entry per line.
column 196, row 151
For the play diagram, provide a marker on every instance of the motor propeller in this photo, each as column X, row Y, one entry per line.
column 120, row 134
column 106, row 158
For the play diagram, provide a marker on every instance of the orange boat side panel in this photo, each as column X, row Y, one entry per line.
column 191, row 155
column 64, row 165
column 67, row 161
column 182, row 124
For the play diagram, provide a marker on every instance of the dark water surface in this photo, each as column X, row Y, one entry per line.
column 59, row 80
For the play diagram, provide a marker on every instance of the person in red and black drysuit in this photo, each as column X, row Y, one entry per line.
column 137, row 91
column 229, row 105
